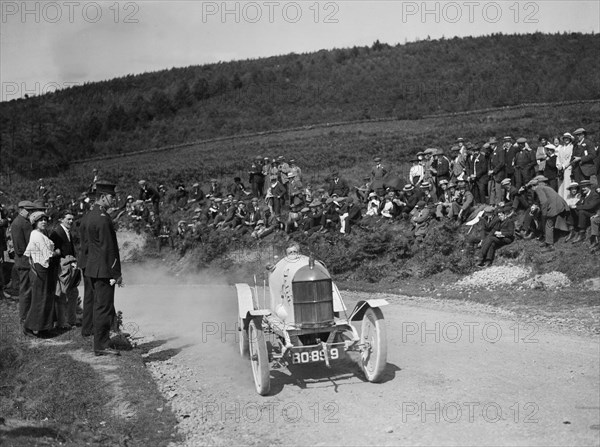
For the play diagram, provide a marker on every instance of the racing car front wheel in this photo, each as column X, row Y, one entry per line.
column 259, row 357
column 373, row 337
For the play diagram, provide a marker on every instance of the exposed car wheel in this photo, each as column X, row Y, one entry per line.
column 373, row 334
column 259, row 357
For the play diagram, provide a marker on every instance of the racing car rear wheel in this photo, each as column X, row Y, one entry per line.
column 244, row 346
column 373, row 334
column 259, row 356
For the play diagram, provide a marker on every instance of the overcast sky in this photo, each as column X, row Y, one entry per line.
column 48, row 44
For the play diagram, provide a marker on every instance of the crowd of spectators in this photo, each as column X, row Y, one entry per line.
column 499, row 190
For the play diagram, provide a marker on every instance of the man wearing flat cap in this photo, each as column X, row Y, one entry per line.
column 440, row 168
column 20, row 231
column 103, row 265
column 377, row 174
column 583, row 158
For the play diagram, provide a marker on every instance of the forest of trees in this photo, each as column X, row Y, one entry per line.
column 138, row 112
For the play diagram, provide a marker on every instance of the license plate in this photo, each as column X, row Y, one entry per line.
column 314, row 355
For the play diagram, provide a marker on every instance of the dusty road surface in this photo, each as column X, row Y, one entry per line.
column 453, row 378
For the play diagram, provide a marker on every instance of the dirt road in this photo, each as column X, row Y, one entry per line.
column 453, row 378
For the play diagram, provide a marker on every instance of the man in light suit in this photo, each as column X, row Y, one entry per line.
column 103, row 265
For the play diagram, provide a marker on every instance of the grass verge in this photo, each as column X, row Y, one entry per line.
column 54, row 391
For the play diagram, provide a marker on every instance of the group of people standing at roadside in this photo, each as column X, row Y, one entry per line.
column 49, row 269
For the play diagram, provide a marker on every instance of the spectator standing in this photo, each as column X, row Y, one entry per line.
column 510, row 150
column 550, row 169
column 20, row 232
column 40, row 251
column 540, row 154
column 496, row 172
column 66, row 301
column 377, row 174
column 524, row 163
column 103, row 265
column 583, row 158
column 479, row 176
column 563, row 163
column 552, row 205
column 147, row 193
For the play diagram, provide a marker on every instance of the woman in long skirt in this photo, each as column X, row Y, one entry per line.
column 40, row 251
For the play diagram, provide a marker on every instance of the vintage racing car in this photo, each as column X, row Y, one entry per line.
column 301, row 311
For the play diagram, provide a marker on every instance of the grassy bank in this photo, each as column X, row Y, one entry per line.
column 56, row 392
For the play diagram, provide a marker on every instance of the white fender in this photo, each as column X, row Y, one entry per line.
column 362, row 306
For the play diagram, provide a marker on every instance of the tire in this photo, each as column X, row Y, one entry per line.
column 373, row 360
column 243, row 341
column 259, row 357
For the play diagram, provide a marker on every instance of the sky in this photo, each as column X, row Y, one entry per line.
column 45, row 45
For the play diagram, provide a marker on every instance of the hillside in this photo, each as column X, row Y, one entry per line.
column 194, row 103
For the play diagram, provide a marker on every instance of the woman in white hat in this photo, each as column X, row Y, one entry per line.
column 563, row 163
column 40, row 251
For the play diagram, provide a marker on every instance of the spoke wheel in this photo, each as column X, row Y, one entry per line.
column 373, row 334
column 259, row 357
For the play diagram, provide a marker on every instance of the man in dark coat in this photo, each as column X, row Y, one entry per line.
column 496, row 172
column 63, row 241
column 524, row 163
column 480, row 174
column 87, row 319
column 149, row 193
column 103, row 265
column 583, row 158
column 338, row 185
column 20, row 231
column 552, row 205
column 585, row 209
column 504, row 235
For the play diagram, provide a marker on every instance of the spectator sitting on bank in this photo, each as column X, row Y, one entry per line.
column 420, row 217
column 197, row 195
column 415, row 176
column 500, row 237
column 587, row 206
column 486, row 224
column 444, row 205
column 261, row 230
column 181, row 196
column 350, row 215
column 463, row 201
column 373, row 205
column 237, row 189
column 363, row 191
column 338, row 185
